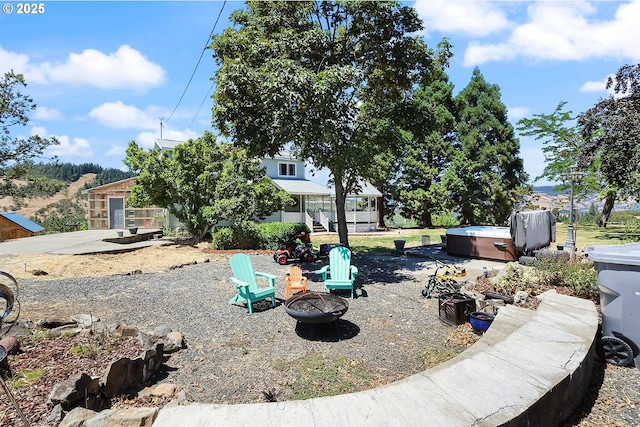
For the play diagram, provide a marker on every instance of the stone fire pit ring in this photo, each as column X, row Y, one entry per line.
column 316, row 308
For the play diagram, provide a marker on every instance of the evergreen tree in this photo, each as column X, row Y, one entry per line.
column 431, row 123
column 485, row 179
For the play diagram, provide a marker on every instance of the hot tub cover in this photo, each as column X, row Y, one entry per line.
column 532, row 230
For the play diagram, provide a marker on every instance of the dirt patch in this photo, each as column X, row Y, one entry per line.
column 146, row 260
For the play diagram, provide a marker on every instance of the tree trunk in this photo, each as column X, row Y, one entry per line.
column 380, row 212
column 341, row 216
column 606, row 210
column 426, row 220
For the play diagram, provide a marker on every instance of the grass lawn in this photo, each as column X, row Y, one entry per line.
column 382, row 242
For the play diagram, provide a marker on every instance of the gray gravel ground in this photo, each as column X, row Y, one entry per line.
column 232, row 357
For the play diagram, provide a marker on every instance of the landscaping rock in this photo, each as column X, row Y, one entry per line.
column 173, row 342
column 77, row 388
column 132, row 417
column 122, row 375
column 161, row 331
column 77, row 417
column 85, row 320
column 153, row 358
column 165, row 389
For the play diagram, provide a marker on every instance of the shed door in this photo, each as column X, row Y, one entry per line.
column 116, row 212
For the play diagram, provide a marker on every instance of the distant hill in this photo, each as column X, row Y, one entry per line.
column 68, row 172
column 547, row 189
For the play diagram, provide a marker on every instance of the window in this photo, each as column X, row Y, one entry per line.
column 287, row 169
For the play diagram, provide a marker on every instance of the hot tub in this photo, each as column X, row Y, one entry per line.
column 481, row 242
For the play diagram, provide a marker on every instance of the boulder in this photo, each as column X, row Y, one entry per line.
column 77, row 388
column 122, row 375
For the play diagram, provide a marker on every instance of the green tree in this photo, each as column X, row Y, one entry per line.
column 562, row 145
column 485, row 180
column 203, row 183
column 62, row 216
column 317, row 77
column 431, row 123
column 612, row 137
column 16, row 152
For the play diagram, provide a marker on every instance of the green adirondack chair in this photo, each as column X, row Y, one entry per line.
column 339, row 274
column 245, row 282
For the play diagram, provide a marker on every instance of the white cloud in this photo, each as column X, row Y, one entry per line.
column 125, row 68
column 516, row 113
column 13, row 61
column 563, row 31
column 71, row 147
column 479, row 18
column 68, row 147
column 40, row 131
column 45, row 113
column 119, row 115
column 594, row 86
column 116, row 150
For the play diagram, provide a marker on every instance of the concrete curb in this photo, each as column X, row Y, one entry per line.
column 530, row 368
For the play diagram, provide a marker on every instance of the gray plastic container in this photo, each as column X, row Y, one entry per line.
column 618, row 268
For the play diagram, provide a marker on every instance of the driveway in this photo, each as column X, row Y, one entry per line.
column 75, row 243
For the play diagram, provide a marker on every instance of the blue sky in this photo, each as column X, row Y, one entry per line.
column 104, row 73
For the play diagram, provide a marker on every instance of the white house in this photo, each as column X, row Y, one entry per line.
column 315, row 203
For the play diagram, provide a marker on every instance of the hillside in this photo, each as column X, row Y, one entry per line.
column 33, row 205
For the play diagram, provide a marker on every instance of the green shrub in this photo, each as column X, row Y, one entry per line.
column 245, row 235
column 580, row 277
column 249, row 235
column 276, row 234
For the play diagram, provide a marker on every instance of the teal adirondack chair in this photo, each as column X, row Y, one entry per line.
column 339, row 274
column 245, row 282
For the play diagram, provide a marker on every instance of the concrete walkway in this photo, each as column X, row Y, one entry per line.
column 75, row 243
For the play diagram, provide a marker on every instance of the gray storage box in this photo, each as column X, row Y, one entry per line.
column 618, row 268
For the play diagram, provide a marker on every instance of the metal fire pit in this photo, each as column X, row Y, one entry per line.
column 315, row 308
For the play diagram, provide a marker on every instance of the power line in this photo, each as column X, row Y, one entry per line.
column 198, row 63
column 202, row 103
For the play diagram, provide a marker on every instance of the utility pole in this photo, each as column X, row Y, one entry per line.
column 161, row 126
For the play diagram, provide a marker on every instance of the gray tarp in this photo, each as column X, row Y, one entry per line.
column 532, row 230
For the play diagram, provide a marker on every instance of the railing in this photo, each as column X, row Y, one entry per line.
column 323, row 220
column 308, row 220
column 360, row 216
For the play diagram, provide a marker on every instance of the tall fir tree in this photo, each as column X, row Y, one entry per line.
column 432, row 128
column 485, row 179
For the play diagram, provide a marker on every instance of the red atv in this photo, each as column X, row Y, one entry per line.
column 302, row 252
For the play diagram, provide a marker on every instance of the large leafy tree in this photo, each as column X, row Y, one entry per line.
column 318, row 77
column 17, row 152
column 430, row 120
column 612, row 136
column 486, row 179
column 202, row 183
column 562, row 145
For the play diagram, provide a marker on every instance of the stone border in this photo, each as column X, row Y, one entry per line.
column 530, row 368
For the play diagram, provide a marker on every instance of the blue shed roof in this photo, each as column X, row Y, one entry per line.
column 23, row 222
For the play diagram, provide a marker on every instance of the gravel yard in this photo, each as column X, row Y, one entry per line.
column 231, row 356
column 389, row 332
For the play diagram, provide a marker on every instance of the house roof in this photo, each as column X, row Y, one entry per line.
column 367, row 190
column 301, row 186
column 168, row 144
column 111, row 184
column 21, row 221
